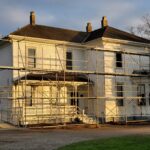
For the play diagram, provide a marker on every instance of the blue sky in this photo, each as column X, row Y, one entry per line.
column 72, row 14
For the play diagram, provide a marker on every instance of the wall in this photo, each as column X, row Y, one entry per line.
column 48, row 56
column 5, row 81
column 6, row 60
column 130, row 63
column 51, row 57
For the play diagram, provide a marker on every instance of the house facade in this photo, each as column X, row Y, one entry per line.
column 54, row 76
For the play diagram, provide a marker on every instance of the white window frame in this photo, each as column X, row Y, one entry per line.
column 31, row 61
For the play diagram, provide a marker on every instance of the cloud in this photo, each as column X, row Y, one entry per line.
column 71, row 14
column 115, row 12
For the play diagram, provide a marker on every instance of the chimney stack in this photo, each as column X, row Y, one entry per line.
column 32, row 18
column 104, row 22
column 89, row 27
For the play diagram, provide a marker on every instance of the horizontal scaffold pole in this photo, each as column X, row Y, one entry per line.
column 72, row 71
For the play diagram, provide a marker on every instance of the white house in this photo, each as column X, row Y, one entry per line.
column 52, row 75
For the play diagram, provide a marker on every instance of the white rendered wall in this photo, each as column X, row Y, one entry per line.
column 130, row 63
column 5, row 80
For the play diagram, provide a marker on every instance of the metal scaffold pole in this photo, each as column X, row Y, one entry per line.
column 46, row 91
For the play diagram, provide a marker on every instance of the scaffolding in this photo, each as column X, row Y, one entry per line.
column 92, row 89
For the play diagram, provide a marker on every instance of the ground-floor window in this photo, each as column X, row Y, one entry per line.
column 119, row 94
column 141, row 94
column 30, row 95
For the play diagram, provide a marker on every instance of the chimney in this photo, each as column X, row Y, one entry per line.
column 104, row 22
column 89, row 27
column 32, row 18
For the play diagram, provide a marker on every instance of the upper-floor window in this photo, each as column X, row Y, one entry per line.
column 119, row 94
column 69, row 60
column 118, row 60
column 141, row 94
column 31, row 57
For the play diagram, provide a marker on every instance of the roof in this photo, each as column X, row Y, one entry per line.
column 110, row 32
column 76, row 77
column 53, row 33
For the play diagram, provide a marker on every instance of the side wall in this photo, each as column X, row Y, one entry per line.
column 5, row 81
column 130, row 63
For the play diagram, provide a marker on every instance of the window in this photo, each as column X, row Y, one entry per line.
column 74, row 98
column 69, row 60
column 28, row 100
column 30, row 95
column 119, row 60
column 119, row 94
column 141, row 93
column 31, row 58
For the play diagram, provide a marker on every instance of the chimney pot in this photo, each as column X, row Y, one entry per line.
column 89, row 27
column 104, row 22
column 32, row 18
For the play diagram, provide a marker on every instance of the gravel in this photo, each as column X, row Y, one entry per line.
column 51, row 139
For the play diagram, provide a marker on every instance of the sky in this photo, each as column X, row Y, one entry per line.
column 72, row 14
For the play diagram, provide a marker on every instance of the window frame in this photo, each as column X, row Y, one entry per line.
column 31, row 98
column 120, row 93
column 142, row 101
column 31, row 60
column 119, row 60
column 69, row 61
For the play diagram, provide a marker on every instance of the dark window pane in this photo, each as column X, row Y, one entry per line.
column 141, row 93
column 69, row 60
column 73, row 98
column 118, row 60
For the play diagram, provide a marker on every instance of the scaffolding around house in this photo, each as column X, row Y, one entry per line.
column 99, row 85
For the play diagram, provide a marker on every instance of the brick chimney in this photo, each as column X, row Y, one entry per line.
column 32, row 18
column 104, row 22
column 89, row 27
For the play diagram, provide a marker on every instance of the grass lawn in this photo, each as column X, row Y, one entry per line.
column 118, row 143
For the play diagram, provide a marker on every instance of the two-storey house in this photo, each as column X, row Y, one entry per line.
column 52, row 75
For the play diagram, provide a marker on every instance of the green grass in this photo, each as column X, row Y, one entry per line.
column 119, row 143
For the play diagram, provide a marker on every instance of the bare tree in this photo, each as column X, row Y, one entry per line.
column 142, row 29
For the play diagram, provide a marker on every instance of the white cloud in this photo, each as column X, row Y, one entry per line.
column 116, row 12
column 71, row 14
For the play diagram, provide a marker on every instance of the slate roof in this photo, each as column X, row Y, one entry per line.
column 53, row 33
column 110, row 32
